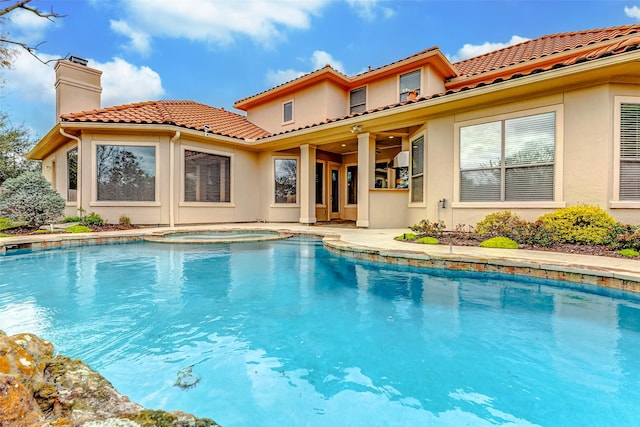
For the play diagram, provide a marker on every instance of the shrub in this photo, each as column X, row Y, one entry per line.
column 7, row 223
column 407, row 236
column 428, row 240
column 584, row 225
column 29, row 197
column 628, row 240
column 428, row 228
column 78, row 229
column 69, row 219
column 498, row 224
column 93, row 219
column 499, row 242
column 533, row 233
column 124, row 220
column 630, row 253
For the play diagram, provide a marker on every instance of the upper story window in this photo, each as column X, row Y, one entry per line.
column 286, row 183
column 358, row 100
column 409, row 82
column 629, row 152
column 126, row 173
column 287, row 112
column 72, row 175
column 508, row 160
column 207, row 177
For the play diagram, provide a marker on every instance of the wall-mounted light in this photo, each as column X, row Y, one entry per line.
column 443, row 203
column 356, row 129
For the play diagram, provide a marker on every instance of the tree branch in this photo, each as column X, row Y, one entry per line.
column 31, row 50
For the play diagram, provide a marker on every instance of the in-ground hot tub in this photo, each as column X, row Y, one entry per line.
column 216, row 236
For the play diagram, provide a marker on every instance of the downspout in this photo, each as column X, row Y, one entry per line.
column 79, row 190
column 172, row 172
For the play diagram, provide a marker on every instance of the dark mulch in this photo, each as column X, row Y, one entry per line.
column 24, row 231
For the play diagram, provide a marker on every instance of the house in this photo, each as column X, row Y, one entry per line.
column 544, row 124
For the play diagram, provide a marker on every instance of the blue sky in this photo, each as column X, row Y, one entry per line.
column 219, row 51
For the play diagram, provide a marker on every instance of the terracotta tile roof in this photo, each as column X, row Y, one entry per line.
column 186, row 114
column 541, row 47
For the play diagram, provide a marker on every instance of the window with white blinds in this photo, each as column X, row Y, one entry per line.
column 207, row 177
column 630, row 152
column 508, row 160
column 417, row 170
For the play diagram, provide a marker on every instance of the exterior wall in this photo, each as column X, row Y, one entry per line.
column 388, row 208
column 311, row 105
column 77, row 88
column 387, row 91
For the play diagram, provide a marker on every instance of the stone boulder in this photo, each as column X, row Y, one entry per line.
column 38, row 389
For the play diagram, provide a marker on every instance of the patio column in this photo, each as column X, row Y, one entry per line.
column 307, row 184
column 366, row 175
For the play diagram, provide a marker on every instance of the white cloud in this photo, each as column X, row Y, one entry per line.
column 214, row 21
column 469, row 50
column 123, row 82
column 632, row 12
column 140, row 41
column 318, row 59
column 368, row 9
column 27, row 27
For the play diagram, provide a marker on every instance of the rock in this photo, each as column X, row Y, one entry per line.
column 40, row 389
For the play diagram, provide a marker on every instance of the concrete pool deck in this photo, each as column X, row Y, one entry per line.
column 379, row 245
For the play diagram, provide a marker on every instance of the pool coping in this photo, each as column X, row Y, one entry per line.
column 379, row 245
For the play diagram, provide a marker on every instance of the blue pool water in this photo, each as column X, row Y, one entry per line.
column 284, row 333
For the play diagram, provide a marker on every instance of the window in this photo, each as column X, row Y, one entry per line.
column 508, row 160
column 126, row 173
column 408, row 83
column 207, row 177
column 358, row 100
column 417, row 170
column 352, row 185
column 287, row 112
column 285, row 180
column 72, row 175
column 319, row 183
column 629, row 152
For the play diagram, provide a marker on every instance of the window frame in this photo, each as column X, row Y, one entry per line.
column 67, row 199
column 415, row 138
column 94, row 173
column 558, row 194
column 185, row 203
column 404, row 92
column 284, row 112
column 323, row 180
column 616, row 203
column 273, row 182
column 361, row 104
column 346, row 185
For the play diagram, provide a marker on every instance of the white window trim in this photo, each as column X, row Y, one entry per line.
column 293, row 115
column 345, row 186
column 273, row 182
column 184, row 203
column 366, row 98
column 401, row 90
column 423, row 203
column 616, row 203
column 558, row 178
column 324, row 186
column 66, row 159
column 94, row 177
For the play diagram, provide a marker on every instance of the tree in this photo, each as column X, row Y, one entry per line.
column 30, row 198
column 15, row 142
column 8, row 45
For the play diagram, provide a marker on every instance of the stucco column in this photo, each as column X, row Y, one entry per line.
column 366, row 175
column 307, row 184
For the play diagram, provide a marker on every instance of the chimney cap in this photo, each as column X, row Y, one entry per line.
column 78, row 60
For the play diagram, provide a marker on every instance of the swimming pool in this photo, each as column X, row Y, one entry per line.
column 285, row 333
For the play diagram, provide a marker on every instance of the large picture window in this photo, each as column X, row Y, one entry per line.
column 286, row 175
column 508, row 160
column 352, row 185
column 629, row 152
column 72, row 175
column 417, row 170
column 207, row 177
column 126, row 173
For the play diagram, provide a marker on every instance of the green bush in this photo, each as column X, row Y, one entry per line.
column 124, row 220
column 7, row 223
column 407, row 236
column 69, row 219
column 630, row 253
column 428, row 228
column 93, row 219
column 30, row 198
column 428, row 240
column 499, row 242
column 533, row 233
column 583, row 225
column 78, row 229
column 499, row 224
column 630, row 239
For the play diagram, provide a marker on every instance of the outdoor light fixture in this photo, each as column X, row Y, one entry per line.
column 356, row 129
column 207, row 129
column 443, row 203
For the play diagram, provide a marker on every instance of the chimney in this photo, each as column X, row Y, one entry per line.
column 77, row 86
